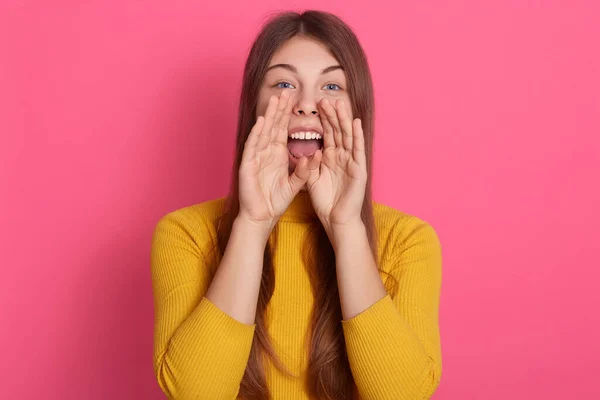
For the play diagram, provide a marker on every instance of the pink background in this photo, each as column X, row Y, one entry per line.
column 115, row 113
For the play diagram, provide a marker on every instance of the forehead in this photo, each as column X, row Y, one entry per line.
column 305, row 54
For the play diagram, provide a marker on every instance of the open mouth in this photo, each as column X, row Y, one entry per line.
column 299, row 148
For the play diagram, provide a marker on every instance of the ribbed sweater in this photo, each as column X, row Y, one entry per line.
column 200, row 352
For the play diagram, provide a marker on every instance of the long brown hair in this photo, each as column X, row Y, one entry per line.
column 329, row 375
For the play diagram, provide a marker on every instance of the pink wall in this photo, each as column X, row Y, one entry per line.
column 488, row 117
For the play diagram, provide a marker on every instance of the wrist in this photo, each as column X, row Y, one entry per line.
column 256, row 229
column 339, row 233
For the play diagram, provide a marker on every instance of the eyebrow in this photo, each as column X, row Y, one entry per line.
column 290, row 67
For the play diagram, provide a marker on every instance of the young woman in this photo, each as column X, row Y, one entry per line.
column 297, row 285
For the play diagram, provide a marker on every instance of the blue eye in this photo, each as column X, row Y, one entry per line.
column 283, row 83
column 333, row 84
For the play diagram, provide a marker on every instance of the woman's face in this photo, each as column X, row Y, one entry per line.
column 307, row 68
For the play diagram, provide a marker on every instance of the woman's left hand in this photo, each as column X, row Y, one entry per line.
column 337, row 188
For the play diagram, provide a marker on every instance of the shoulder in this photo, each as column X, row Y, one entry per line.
column 192, row 226
column 398, row 231
column 195, row 214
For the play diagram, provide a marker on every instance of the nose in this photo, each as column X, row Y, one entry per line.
column 314, row 112
column 306, row 105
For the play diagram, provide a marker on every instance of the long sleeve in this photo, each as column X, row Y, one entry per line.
column 393, row 346
column 200, row 352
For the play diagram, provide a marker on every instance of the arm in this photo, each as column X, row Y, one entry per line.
column 202, row 342
column 203, row 335
column 393, row 343
column 235, row 286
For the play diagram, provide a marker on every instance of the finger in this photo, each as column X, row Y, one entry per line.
column 265, row 135
column 284, row 98
column 252, row 140
column 345, row 123
column 330, row 112
column 284, row 123
column 328, row 140
column 358, row 151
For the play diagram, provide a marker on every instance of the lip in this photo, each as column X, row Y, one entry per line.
column 306, row 129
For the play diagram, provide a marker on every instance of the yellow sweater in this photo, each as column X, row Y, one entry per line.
column 200, row 352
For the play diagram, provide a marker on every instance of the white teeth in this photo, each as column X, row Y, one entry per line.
column 305, row 135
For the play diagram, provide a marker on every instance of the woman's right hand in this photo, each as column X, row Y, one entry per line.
column 265, row 186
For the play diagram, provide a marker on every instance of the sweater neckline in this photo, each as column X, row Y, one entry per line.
column 300, row 209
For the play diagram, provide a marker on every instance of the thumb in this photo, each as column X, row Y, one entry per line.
column 313, row 167
column 300, row 175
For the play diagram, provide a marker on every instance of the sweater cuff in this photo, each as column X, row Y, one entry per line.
column 371, row 317
column 381, row 326
column 228, row 326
